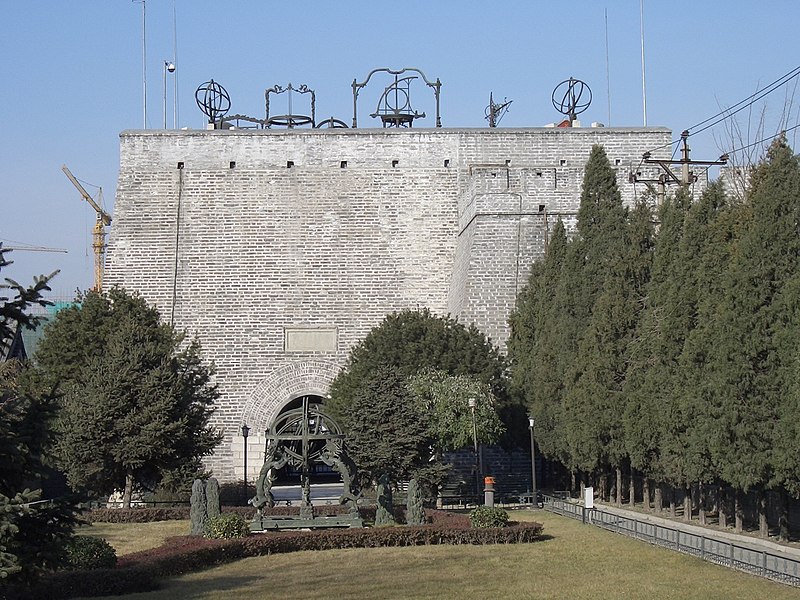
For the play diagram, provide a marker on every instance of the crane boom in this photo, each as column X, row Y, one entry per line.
column 101, row 214
column 99, row 233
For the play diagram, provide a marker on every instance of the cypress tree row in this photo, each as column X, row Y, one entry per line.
column 675, row 353
column 753, row 359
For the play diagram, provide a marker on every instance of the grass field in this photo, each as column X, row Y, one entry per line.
column 574, row 561
column 133, row 537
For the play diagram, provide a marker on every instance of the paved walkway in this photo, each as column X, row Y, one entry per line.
column 746, row 541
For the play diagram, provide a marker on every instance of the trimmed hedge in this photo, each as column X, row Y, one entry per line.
column 146, row 515
column 87, row 552
column 141, row 571
column 226, row 526
column 488, row 516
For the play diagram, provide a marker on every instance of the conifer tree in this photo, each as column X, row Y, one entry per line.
column 136, row 400
column 642, row 385
column 753, row 363
column 32, row 533
column 593, row 402
column 540, row 345
column 703, row 254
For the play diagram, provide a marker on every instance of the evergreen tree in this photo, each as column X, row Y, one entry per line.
column 136, row 401
column 594, row 402
column 651, row 404
column 752, row 361
column 415, row 341
column 32, row 533
column 541, row 347
column 387, row 432
column 703, row 255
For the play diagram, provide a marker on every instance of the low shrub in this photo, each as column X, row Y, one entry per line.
column 87, row 552
column 140, row 571
column 488, row 516
column 146, row 515
column 227, row 526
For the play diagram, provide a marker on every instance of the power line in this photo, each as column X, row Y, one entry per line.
column 777, row 83
column 739, row 106
column 766, row 139
column 728, row 113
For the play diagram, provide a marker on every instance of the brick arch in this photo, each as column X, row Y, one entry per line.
column 287, row 382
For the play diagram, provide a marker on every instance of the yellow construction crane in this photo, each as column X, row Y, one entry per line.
column 99, row 234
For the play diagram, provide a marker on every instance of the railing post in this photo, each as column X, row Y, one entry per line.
column 703, row 547
column 763, row 564
column 731, row 554
column 583, row 516
column 678, row 540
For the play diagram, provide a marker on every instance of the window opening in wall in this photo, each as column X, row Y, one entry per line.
column 541, row 208
column 343, row 164
column 180, row 165
column 232, row 164
column 538, row 173
column 446, row 163
column 395, row 163
column 289, row 164
column 617, row 161
column 563, row 162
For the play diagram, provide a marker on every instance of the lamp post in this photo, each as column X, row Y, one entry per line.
column 531, row 422
column 472, row 404
column 245, row 434
column 168, row 66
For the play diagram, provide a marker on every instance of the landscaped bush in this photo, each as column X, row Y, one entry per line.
column 226, row 526
column 87, row 552
column 140, row 571
column 146, row 515
column 488, row 516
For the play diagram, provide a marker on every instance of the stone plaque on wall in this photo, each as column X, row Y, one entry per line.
column 309, row 339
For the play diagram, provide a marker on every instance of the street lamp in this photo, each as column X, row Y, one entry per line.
column 531, row 422
column 245, row 434
column 478, row 468
column 168, row 66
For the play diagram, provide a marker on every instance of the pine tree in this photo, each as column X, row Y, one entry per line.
column 136, row 401
column 387, row 432
column 32, row 533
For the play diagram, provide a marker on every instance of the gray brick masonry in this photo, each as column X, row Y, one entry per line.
column 240, row 236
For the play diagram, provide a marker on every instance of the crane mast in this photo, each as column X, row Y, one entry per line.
column 99, row 233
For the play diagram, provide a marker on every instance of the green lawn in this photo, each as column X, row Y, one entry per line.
column 575, row 561
column 133, row 537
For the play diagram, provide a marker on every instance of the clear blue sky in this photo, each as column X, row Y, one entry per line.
column 72, row 78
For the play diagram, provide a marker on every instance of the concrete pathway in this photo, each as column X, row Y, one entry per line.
column 746, row 541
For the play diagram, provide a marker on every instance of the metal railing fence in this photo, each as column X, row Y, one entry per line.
column 707, row 547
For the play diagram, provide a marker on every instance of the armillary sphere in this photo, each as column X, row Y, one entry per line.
column 332, row 124
column 571, row 97
column 303, row 432
column 213, row 100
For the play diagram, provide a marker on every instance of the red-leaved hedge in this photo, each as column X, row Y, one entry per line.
column 141, row 571
column 146, row 515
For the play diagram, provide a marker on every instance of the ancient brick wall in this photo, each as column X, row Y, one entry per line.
column 280, row 250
